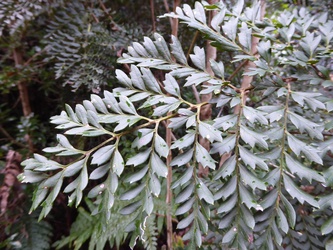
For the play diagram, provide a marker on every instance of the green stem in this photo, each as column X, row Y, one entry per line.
column 283, row 142
column 239, row 123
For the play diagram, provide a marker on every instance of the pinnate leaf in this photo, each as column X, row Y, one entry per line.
column 297, row 193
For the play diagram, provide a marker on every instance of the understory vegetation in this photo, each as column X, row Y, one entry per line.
column 209, row 127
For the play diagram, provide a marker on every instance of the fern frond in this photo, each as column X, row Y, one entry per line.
column 15, row 15
column 96, row 230
column 84, row 52
column 38, row 235
column 149, row 233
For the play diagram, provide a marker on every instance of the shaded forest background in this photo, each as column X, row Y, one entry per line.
column 38, row 77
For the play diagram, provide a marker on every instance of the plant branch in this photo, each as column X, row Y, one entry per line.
column 166, row 5
column 174, row 26
column 12, row 169
column 320, row 74
column 11, row 139
column 239, row 67
column 114, row 25
column 169, row 218
column 174, row 32
column 152, row 11
column 35, row 55
column 194, row 89
column 24, row 95
column 206, row 111
column 190, row 49
column 247, row 80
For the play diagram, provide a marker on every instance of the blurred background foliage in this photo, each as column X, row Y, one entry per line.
column 54, row 52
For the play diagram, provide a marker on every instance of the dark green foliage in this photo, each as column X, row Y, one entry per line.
column 88, row 227
column 33, row 235
column 15, row 14
column 39, row 234
column 82, row 46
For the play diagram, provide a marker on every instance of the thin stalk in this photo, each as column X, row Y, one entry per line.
column 206, row 111
column 239, row 181
column 174, row 27
column 166, row 5
column 194, row 89
column 174, row 32
column 284, row 138
column 11, row 139
column 247, row 80
column 152, row 10
column 24, row 94
column 169, row 218
column 114, row 25
column 239, row 67
column 282, row 162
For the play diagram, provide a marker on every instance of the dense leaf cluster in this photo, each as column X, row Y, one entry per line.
column 83, row 48
column 273, row 189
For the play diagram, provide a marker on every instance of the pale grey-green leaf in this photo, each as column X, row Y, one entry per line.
column 209, row 132
column 218, row 68
column 126, row 105
column 227, row 168
column 117, row 163
column 171, row 85
column 81, row 114
column 132, row 193
column 228, row 205
column 139, row 158
column 228, row 189
column 102, row 155
column 144, row 137
column 250, row 179
column 177, row 51
column 73, row 168
column 205, row 193
column 185, row 194
column 226, row 146
column 253, row 115
column 301, row 171
column 251, row 137
column 327, row 227
column 204, row 157
column 184, row 178
column 297, row 193
column 185, row 141
column 161, row 146
column 282, row 222
column 186, row 221
column 199, row 58
column 182, row 159
column 230, row 235
column 247, row 217
column 154, row 185
column 185, row 207
column 99, row 172
column 158, row 166
column 98, row 104
column 252, row 160
column 137, row 175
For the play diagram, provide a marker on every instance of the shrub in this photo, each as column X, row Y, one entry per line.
column 269, row 140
